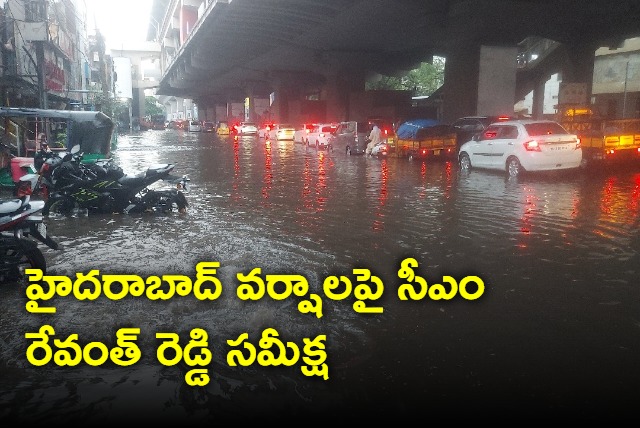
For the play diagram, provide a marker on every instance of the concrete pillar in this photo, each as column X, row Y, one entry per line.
column 479, row 80
column 537, row 108
column 577, row 66
column 341, row 83
column 460, row 92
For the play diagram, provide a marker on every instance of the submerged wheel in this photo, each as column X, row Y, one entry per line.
column 18, row 255
column 513, row 167
column 59, row 205
column 465, row 162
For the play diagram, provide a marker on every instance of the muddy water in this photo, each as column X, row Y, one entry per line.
column 557, row 329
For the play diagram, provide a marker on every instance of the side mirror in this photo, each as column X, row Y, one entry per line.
column 75, row 149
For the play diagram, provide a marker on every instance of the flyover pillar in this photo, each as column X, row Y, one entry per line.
column 577, row 66
column 479, row 80
column 537, row 107
column 340, row 84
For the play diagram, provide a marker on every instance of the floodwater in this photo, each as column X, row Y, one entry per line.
column 555, row 332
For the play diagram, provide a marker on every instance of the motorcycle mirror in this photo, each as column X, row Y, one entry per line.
column 75, row 149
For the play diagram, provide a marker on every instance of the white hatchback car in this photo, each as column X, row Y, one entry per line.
column 247, row 128
column 281, row 131
column 320, row 136
column 522, row 145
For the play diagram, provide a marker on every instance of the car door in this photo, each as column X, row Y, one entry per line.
column 481, row 148
column 344, row 135
column 502, row 145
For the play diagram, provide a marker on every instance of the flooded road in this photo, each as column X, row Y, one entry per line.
column 556, row 331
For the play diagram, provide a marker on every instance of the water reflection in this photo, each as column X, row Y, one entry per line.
column 558, row 253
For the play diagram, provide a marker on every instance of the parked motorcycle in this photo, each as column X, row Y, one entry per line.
column 102, row 187
column 20, row 219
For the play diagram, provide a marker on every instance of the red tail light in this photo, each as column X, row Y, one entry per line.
column 532, row 146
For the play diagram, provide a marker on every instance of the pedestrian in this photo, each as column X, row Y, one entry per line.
column 374, row 138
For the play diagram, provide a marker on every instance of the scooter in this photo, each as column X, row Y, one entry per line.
column 19, row 174
column 20, row 219
column 104, row 188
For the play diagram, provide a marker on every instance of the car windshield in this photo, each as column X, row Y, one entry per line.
column 545, row 128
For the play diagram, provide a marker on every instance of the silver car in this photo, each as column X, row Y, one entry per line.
column 351, row 137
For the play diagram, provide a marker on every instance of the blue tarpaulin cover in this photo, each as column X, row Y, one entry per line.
column 414, row 129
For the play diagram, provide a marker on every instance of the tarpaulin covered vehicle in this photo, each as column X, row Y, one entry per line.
column 425, row 138
column 25, row 129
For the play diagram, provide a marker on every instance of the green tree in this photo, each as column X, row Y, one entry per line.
column 151, row 106
column 424, row 80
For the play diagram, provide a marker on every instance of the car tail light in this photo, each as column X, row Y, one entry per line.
column 504, row 118
column 424, row 151
column 532, row 146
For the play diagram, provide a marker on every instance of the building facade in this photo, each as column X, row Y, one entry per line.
column 45, row 54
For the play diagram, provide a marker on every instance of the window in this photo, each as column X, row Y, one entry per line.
column 545, row 128
column 490, row 133
column 35, row 10
column 508, row 132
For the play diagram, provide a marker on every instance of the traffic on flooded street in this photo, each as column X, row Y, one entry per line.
column 537, row 306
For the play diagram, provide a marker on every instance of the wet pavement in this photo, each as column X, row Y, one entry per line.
column 556, row 331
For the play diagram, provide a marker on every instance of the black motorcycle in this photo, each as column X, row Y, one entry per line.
column 20, row 219
column 103, row 188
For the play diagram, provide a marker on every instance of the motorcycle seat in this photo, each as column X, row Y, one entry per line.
column 10, row 205
column 131, row 180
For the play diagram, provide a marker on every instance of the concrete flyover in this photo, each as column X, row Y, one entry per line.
column 218, row 51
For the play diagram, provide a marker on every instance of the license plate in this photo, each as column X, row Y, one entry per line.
column 436, row 152
column 42, row 229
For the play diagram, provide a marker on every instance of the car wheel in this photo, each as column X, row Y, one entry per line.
column 317, row 145
column 513, row 167
column 465, row 162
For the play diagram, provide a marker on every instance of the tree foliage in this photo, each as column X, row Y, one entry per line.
column 151, row 106
column 423, row 81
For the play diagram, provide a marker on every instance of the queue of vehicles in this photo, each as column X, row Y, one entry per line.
column 576, row 137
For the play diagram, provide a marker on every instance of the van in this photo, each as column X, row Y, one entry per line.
column 351, row 137
column 208, row 126
column 194, row 126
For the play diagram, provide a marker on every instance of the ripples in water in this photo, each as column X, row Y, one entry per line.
column 558, row 254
